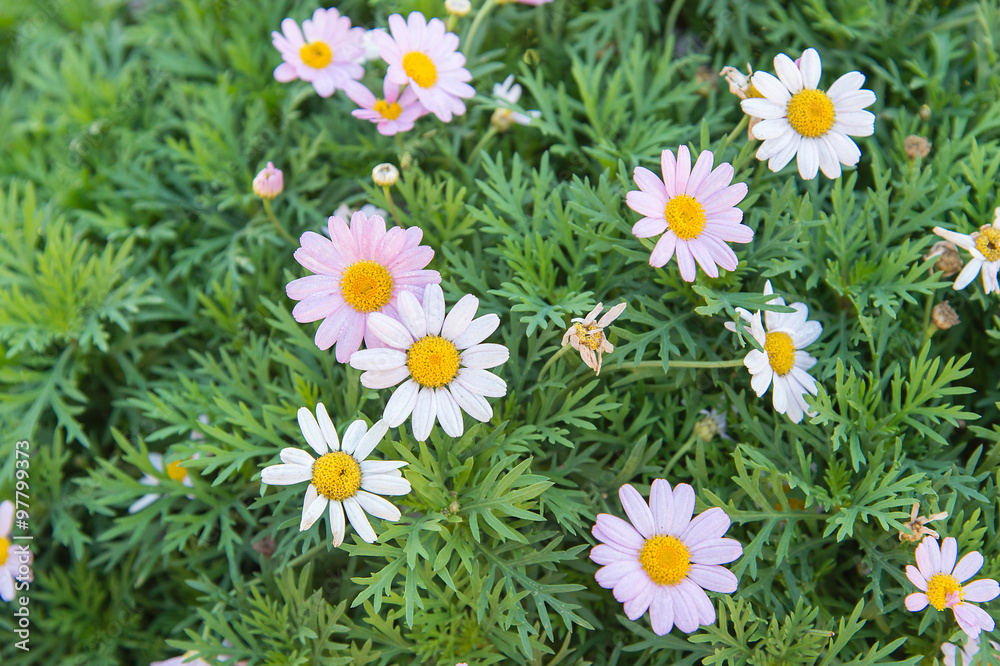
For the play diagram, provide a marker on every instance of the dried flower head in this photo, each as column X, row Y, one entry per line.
column 917, row 525
column 949, row 262
column 916, row 146
column 944, row 316
column 587, row 335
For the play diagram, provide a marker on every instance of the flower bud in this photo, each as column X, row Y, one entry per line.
column 269, row 182
column 458, row 7
column 385, row 175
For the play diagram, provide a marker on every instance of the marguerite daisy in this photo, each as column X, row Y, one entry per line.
column 443, row 361
column 393, row 113
column 15, row 560
column 325, row 56
column 340, row 478
column 782, row 362
column 174, row 471
column 662, row 560
column 968, row 653
column 801, row 120
column 359, row 271
column 423, row 54
column 984, row 246
column 940, row 582
column 694, row 209
column 506, row 95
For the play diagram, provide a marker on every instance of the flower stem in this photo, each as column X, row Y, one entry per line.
column 739, row 128
column 490, row 133
column 277, row 225
column 732, row 363
column 677, row 456
column 480, row 15
column 392, row 205
column 552, row 359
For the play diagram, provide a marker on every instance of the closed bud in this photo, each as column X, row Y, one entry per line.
column 385, row 175
column 269, row 182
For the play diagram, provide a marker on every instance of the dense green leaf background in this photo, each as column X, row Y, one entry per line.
column 142, row 287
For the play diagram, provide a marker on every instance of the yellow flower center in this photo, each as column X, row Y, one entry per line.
column 939, row 587
column 590, row 336
column 811, row 113
column 685, row 216
column 752, row 92
column 4, row 546
column 388, row 111
column 433, row 361
column 420, row 68
column 336, row 475
column 988, row 242
column 666, row 559
column 780, row 352
column 316, row 55
column 175, row 471
column 366, row 286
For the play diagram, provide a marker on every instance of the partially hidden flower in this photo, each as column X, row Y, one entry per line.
column 344, row 211
column 802, row 121
column 506, row 95
column 940, row 582
column 186, row 660
column 14, row 559
column 441, row 360
column 587, row 335
column 918, row 524
column 340, row 479
column 662, row 560
column 423, row 54
column 968, row 653
column 394, row 112
column 739, row 85
column 984, row 246
column 360, row 270
column 174, row 471
column 949, row 262
column 322, row 53
column 712, row 425
column 783, row 362
column 694, row 209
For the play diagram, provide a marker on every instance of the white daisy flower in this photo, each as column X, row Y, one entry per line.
column 11, row 568
column 443, row 361
column 340, row 478
column 801, row 120
column 782, row 362
column 506, row 95
column 984, row 246
column 173, row 471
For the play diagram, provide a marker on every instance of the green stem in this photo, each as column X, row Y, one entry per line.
column 449, row 26
column 677, row 456
column 306, row 555
column 277, row 225
column 732, row 363
column 392, row 205
column 492, row 132
column 736, row 132
column 480, row 15
column 552, row 359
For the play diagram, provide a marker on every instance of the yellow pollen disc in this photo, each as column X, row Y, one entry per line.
column 433, row 361
column 4, row 546
column 420, row 68
column 666, row 559
column 388, row 111
column 336, row 475
column 811, row 113
column 366, row 286
column 175, row 471
column 752, row 92
column 316, row 55
column 939, row 587
column 780, row 352
column 988, row 242
column 685, row 216
column 590, row 336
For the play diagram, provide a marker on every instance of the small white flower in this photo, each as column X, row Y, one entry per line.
column 173, row 471
column 506, row 95
column 368, row 47
column 345, row 212
column 713, row 424
column 443, row 361
column 984, row 246
column 801, row 120
column 10, row 555
column 340, row 478
column 782, row 362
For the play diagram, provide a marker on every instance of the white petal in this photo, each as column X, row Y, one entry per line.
column 434, row 308
column 482, row 382
column 296, row 457
column 378, row 359
column 771, row 88
column 369, row 467
column 370, row 440
column 285, row 475
column 353, row 435
column 411, row 315
column 382, row 379
column 143, row 502
column 448, row 413
column 309, row 497
column 384, row 484
column 460, row 317
column 388, row 330
column 326, row 426
column 473, row 404
column 377, row 506
column 312, row 433
column 401, row 403
column 424, row 414
column 488, row 355
column 359, row 521
column 338, row 526
column 811, row 68
column 313, row 512
column 968, row 274
column 480, row 329
column 788, row 73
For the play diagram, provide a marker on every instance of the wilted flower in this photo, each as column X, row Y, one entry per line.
column 269, row 182
column 949, row 261
column 662, row 560
column 340, row 479
column 782, row 362
column 801, row 120
column 507, row 94
column 385, row 175
column 694, row 209
column 324, row 56
column 940, row 581
column 944, row 316
column 443, row 361
column 984, row 246
column 916, row 146
column 12, row 558
column 423, row 54
column 739, row 85
column 587, row 335
column 917, row 525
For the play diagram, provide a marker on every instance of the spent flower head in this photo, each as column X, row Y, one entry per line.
column 984, row 246
column 586, row 335
column 949, row 262
column 917, row 525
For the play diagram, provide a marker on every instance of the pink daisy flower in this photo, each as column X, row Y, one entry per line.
column 694, row 209
column 421, row 53
column 940, row 582
column 359, row 270
column 663, row 560
column 393, row 113
column 325, row 56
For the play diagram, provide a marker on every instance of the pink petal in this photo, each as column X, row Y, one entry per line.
column 616, row 532
column 916, row 578
column 966, row 568
column 985, row 589
column 683, row 508
column 972, row 619
column 716, row 551
column 605, row 554
column 916, row 601
column 649, row 183
column 711, row 524
column 929, row 557
column 661, row 611
column 683, row 169
column 612, row 574
column 713, row 578
column 661, row 503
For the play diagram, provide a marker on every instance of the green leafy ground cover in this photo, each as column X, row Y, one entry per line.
column 143, row 287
